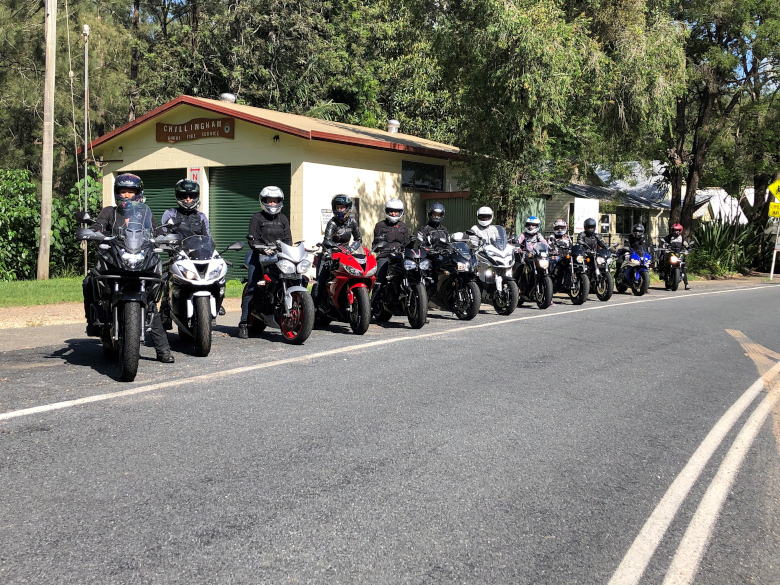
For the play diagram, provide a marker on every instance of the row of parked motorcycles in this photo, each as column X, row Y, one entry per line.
column 456, row 276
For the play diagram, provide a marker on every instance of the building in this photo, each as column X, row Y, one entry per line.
column 234, row 151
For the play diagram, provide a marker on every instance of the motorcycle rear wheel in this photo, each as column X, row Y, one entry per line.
column 604, row 286
column 130, row 341
column 467, row 309
column 579, row 294
column 417, row 309
column 544, row 297
column 360, row 316
column 674, row 283
column 511, row 293
column 201, row 326
column 298, row 326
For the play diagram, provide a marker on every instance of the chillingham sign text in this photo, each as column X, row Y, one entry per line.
column 197, row 128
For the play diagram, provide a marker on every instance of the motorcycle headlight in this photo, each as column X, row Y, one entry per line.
column 190, row 275
column 218, row 272
column 304, row 266
column 543, row 262
column 132, row 259
column 674, row 259
column 580, row 258
column 425, row 264
column 371, row 272
column 488, row 272
column 464, row 266
column 599, row 260
column 410, row 265
column 352, row 270
column 286, row 267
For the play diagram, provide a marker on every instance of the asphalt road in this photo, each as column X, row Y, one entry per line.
column 523, row 449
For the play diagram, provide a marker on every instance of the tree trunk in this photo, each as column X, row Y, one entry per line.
column 134, row 60
column 760, row 211
column 678, row 157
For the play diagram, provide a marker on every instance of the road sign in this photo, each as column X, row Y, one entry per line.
column 774, row 210
column 774, row 187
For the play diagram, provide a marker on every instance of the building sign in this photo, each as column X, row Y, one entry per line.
column 197, row 128
column 193, row 174
column 325, row 215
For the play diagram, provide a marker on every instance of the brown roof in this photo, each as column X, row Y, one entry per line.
column 301, row 126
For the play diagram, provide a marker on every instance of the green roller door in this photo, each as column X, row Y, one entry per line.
column 158, row 188
column 460, row 213
column 233, row 199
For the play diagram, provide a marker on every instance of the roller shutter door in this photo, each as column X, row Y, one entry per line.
column 233, row 199
column 158, row 188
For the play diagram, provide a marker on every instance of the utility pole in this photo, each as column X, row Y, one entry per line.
column 48, row 139
column 85, row 34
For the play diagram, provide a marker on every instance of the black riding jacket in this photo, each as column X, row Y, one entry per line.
column 337, row 232
column 675, row 243
column 394, row 234
column 110, row 218
column 635, row 242
column 431, row 234
column 590, row 241
column 193, row 222
column 266, row 229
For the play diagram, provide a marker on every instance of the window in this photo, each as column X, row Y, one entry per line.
column 422, row 176
column 627, row 217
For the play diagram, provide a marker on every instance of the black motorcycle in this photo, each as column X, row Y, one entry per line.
column 568, row 273
column 454, row 284
column 598, row 266
column 404, row 292
column 533, row 277
column 670, row 264
column 127, row 280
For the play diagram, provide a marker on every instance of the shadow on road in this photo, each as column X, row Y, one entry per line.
column 88, row 353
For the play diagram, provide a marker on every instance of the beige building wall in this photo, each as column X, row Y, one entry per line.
column 557, row 207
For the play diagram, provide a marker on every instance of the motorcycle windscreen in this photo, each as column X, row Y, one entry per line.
column 356, row 249
column 138, row 226
column 293, row 253
column 577, row 250
column 198, row 247
column 462, row 249
column 498, row 238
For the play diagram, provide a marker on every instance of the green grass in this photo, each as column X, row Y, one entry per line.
column 23, row 293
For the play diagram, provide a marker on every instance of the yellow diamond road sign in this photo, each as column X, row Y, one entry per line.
column 774, row 210
column 774, row 187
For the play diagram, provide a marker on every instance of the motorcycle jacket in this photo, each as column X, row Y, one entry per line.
column 564, row 241
column 635, row 243
column 337, row 232
column 488, row 234
column 528, row 243
column 193, row 222
column 432, row 234
column 395, row 234
column 265, row 228
column 590, row 242
column 110, row 218
column 675, row 243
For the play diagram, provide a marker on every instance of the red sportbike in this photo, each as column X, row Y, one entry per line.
column 352, row 276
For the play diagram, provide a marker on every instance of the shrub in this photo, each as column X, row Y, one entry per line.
column 728, row 246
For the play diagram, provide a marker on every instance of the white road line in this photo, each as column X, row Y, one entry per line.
column 350, row 348
column 638, row 556
column 685, row 563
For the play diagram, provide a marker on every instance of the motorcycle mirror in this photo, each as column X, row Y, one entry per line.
column 235, row 247
column 471, row 233
column 457, row 236
column 83, row 217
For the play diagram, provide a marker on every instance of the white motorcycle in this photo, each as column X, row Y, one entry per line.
column 196, row 289
column 495, row 259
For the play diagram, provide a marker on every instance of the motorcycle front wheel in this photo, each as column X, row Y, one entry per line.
column 297, row 327
column 130, row 341
column 506, row 304
column 674, row 281
column 544, row 293
column 579, row 293
column 604, row 286
column 466, row 301
column 640, row 287
column 620, row 284
column 201, row 326
column 417, row 309
column 360, row 316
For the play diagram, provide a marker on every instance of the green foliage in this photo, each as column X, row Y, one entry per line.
column 724, row 246
column 25, row 293
column 19, row 217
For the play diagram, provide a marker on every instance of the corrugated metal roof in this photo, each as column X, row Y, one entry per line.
column 622, row 198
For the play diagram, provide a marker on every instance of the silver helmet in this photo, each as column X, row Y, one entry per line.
column 394, row 206
column 271, row 198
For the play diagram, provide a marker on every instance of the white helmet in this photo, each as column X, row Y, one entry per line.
column 271, row 199
column 484, row 216
column 394, row 205
column 532, row 225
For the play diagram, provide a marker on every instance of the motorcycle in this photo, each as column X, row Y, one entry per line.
column 494, row 270
column 405, row 292
column 533, row 276
column 127, row 280
column 454, row 284
column 196, row 278
column 634, row 271
column 353, row 272
column 597, row 264
column 281, row 300
column 670, row 265
column 568, row 272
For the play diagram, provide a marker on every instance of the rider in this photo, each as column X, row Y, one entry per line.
column 128, row 189
column 560, row 234
column 433, row 231
column 589, row 238
column 635, row 241
column 676, row 242
column 393, row 231
column 265, row 227
column 192, row 221
column 484, row 230
column 341, row 228
column 531, row 237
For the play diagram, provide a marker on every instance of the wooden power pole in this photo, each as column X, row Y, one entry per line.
column 48, row 139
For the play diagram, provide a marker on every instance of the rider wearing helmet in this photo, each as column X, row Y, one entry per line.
column 191, row 221
column 393, row 231
column 635, row 241
column 560, row 234
column 128, row 189
column 341, row 228
column 484, row 230
column 531, row 236
column 677, row 243
column 265, row 227
column 433, row 232
column 589, row 238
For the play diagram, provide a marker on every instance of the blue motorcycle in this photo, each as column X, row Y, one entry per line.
column 634, row 271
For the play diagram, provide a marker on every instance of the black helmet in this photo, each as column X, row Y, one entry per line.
column 129, row 181
column 638, row 230
column 436, row 208
column 186, row 189
column 343, row 201
column 590, row 226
